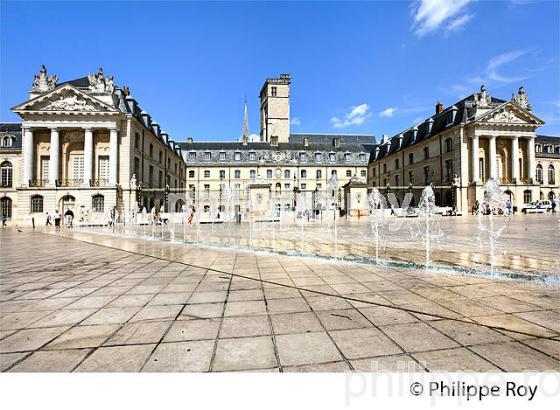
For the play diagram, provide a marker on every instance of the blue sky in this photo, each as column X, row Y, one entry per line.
column 365, row 67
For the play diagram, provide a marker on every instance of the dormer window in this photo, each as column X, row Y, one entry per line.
column 362, row 157
column 207, row 156
column 222, row 156
column 252, row 156
column 318, row 157
column 192, row 156
column 303, row 157
column 332, row 157
column 538, row 148
column 6, row 141
column 237, row 156
column 347, row 157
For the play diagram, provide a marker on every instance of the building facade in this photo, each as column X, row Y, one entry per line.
column 86, row 145
column 462, row 146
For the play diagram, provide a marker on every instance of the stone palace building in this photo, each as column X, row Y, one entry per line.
column 86, row 145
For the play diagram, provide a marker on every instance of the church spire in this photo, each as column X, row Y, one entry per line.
column 245, row 137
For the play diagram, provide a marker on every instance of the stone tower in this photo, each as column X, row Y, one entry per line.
column 275, row 109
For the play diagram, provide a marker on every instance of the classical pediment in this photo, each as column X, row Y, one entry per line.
column 65, row 99
column 509, row 114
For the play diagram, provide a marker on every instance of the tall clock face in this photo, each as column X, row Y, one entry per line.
column 278, row 172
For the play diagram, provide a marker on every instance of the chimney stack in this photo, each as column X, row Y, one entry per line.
column 439, row 107
column 305, row 141
column 189, row 140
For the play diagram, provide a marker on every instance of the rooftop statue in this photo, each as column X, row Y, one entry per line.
column 42, row 82
column 521, row 99
column 98, row 83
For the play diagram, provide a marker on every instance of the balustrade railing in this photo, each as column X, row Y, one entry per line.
column 36, row 183
column 98, row 182
column 69, row 182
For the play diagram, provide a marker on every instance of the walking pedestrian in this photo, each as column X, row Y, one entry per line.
column 69, row 217
column 57, row 218
column 4, row 219
column 48, row 221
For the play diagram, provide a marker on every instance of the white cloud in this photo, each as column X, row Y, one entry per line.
column 388, row 112
column 430, row 15
column 499, row 61
column 458, row 23
column 295, row 121
column 356, row 116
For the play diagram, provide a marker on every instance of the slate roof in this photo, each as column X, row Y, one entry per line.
column 13, row 128
column 82, row 82
column 545, row 140
column 327, row 138
column 465, row 109
column 256, row 146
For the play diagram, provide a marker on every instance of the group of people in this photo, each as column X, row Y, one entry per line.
column 57, row 217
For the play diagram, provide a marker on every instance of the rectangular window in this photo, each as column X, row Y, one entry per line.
column 252, row 156
column 273, row 91
column 363, row 173
column 45, row 168
column 206, row 173
column 397, row 180
column 222, row 156
column 36, row 203
column 318, row 174
column 287, row 186
column 137, row 168
column 103, row 167
column 207, row 156
column 98, row 203
column 151, row 176
column 269, row 174
column 222, row 173
column 384, row 168
column 448, row 170
column 274, row 141
column 481, row 169
column 362, row 157
column 319, row 186
column 237, row 156
column 286, row 173
column 374, row 171
column 411, row 177
column 347, row 157
column 411, row 158
column 348, row 173
column 397, row 163
column 426, row 175
column 192, row 156
column 448, row 145
column 303, row 186
column 237, row 174
column 426, row 152
column 136, row 140
column 191, row 174
column 332, row 157
column 303, row 157
column 303, row 173
column 78, row 167
column 527, row 197
column 252, row 174
column 318, row 157
column 333, row 172
column 160, row 179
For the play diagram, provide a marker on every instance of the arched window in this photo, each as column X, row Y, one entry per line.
column 6, row 141
column 7, row 173
column 98, row 203
column 278, row 188
column 539, row 176
column 179, row 205
column 6, row 207
column 527, row 196
column 36, row 204
column 551, row 175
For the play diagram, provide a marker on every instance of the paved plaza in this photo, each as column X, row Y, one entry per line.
column 83, row 302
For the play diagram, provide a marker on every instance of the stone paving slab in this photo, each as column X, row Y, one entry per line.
column 108, row 304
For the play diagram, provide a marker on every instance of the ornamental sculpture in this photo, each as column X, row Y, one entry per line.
column 70, row 103
column 98, row 83
column 42, row 82
column 483, row 99
column 521, row 99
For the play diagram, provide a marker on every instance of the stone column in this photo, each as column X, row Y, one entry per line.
column 28, row 154
column 531, row 170
column 88, row 156
column 54, row 160
column 515, row 159
column 492, row 156
column 474, row 158
column 113, row 157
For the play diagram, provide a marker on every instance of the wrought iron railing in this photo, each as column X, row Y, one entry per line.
column 98, row 182
column 6, row 185
column 36, row 183
column 69, row 182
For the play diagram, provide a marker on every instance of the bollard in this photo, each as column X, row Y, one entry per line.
column 33, row 221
